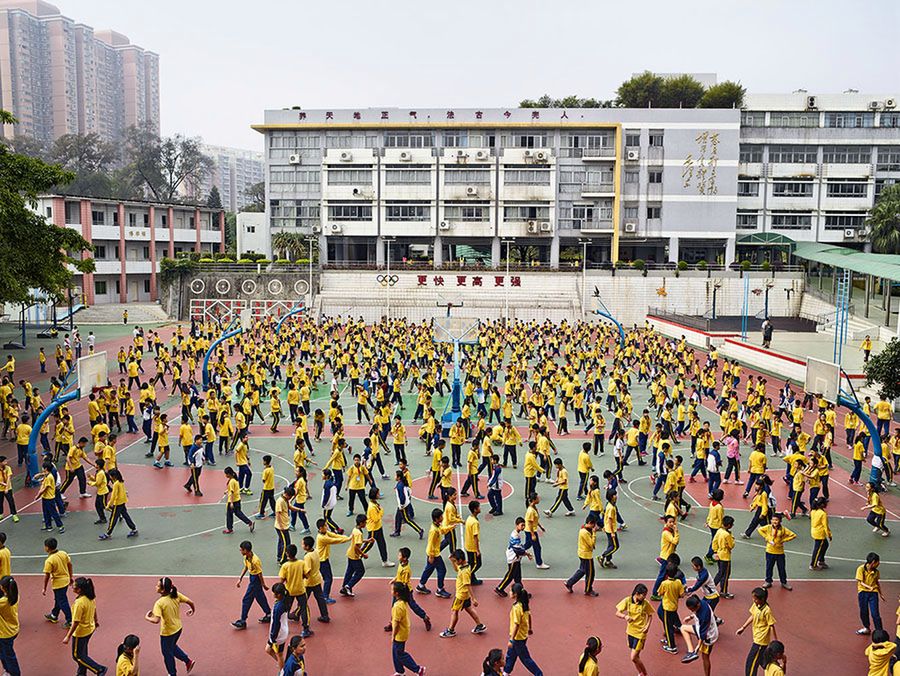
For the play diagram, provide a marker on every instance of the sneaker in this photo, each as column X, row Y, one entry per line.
column 252, row 526
column 168, row 463
column 673, row 650
column 728, row 595
column 568, row 588
column 499, row 592
column 388, row 564
column 306, row 633
column 227, row 531
column 84, row 495
column 103, row 536
column 190, row 665
column 860, row 632
column 132, row 533
column 442, row 593
column 719, row 621
column 570, row 513
column 786, row 586
column 259, row 516
column 591, row 592
column 54, row 620
column 690, row 657
column 548, row 512
column 421, row 671
column 767, row 585
column 542, row 566
column 479, row 629
column 62, row 529
column 330, row 601
column 345, row 592
column 264, row 619
column 99, row 521
column 447, row 633
column 239, row 624
column 422, row 589
column 15, row 518
column 745, row 536
column 323, row 619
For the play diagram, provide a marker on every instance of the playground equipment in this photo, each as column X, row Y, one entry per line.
column 459, row 331
column 604, row 312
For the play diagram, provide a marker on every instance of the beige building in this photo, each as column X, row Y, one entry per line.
column 59, row 77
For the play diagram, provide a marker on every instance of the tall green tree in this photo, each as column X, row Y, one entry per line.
column 214, row 199
column 230, row 233
column 681, row 91
column 571, row 101
column 884, row 221
column 256, row 194
column 884, row 369
column 641, row 91
column 728, row 94
column 165, row 164
column 34, row 253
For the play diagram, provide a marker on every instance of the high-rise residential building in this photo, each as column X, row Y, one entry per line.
column 234, row 171
column 60, row 77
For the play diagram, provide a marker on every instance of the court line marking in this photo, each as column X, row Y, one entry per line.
column 638, row 499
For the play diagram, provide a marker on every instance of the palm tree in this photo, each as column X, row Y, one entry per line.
column 285, row 243
column 884, row 221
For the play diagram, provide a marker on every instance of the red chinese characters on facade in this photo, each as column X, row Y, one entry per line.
column 438, row 280
column 515, row 281
column 413, row 114
column 450, row 115
column 507, row 114
column 301, row 116
column 460, row 280
column 535, row 115
column 357, row 116
column 423, row 280
column 479, row 114
column 329, row 115
column 498, row 281
column 384, row 115
column 476, row 281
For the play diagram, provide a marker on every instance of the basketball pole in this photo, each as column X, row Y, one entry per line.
column 230, row 333
column 31, row 458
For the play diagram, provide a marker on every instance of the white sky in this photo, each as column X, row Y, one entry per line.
column 224, row 62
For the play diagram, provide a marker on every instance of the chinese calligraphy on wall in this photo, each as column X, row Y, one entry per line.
column 700, row 170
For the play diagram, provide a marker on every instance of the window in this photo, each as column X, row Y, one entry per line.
column 654, row 176
column 747, row 220
column 748, row 188
column 890, row 119
column 164, row 219
column 753, row 119
column 850, row 119
column 468, row 139
column 526, row 212
column 100, row 252
column 250, row 228
column 116, row 217
column 882, row 183
column 792, row 189
column 349, row 176
column 512, row 140
column 294, row 213
column 846, row 154
column 599, row 144
column 631, row 177
column 97, row 218
column 654, row 212
column 847, row 189
column 132, row 220
column 408, row 139
column 146, row 286
column 792, row 154
column 468, row 213
column 407, row 175
column 293, row 176
column 631, row 212
column 294, row 140
column 792, row 221
column 407, row 212
column 100, row 287
column 338, row 139
column 888, row 158
column 521, row 176
column 751, row 153
column 656, row 137
column 146, row 253
column 632, row 139
column 350, row 212
column 190, row 221
column 840, row 221
column 793, row 119
column 49, row 212
column 467, row 176
column 118, row 287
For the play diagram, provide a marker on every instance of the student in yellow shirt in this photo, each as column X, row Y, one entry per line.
column 375, row 528
column 464, row 599
column 877, row 512
column 722, row 544
column 47, row 493
column 400, row 631
column 775, row 536
column 762, row 624
column 587, row 541
column 84, row 622
column 166, row 612
column 820, row 533
column 355, row 554
column 880, row 653
column 670, row 591
column 638, row 614
column 57, row 573
column 292, row 576
column 256, row 588
column 6, row 489
column 584, row 468
column 868, row 590
column 9, row 622
column 233, row 502
column 267, row 497
column 116, row 503
column 520, row 628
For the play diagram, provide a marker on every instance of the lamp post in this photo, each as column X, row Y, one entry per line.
column 388, row 241
column 584, row 245
column 507, row 242
column 310, row 241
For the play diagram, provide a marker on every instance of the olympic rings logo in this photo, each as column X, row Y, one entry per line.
column 387, row 280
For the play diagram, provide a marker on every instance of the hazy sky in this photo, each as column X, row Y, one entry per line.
column 223, row 62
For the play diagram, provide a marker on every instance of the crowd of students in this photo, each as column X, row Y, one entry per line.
column 540, row 374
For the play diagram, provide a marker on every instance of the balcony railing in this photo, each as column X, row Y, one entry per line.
column 598, row 153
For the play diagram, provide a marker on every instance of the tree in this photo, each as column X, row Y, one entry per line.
column 884, row 221
column 884, row 369
column 256, row 194
column 681, row 91
column 165, row 164
column 83, row 153
column 34, row 253
column 641, row 91
column 27, row 145
column 571, row 101
column 728, row 94
column 291, row 245
column 214, row 200
column 230, row 233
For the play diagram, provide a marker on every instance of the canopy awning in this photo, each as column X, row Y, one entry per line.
column 886, row 266
column 765, row 239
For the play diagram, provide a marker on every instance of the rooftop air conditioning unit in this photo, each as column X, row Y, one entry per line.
column 346, row 156
column 811, row 103
column 405, row 156
column 294, row 159
column 631, row 227
column 532, row 227
column 545, row 226
column 633, row 155
column 335, row 229
column 849, row 233
column 528, row 153
column 444, row 225
column 874, row 105
column 317, row 230
column 540, row 156
column 890, row 103
column 482, row 155
column 471, row 191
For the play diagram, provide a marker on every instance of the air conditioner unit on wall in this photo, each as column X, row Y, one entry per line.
column 532, row 227
column 874, row 105
column 317, row 230
column 482, row 155
column 461, row 156
column 294, row 159
column 811, row 103
column 471, row 191
column 541, row 156
column 335, row 228
column 444, row 225
column 545, row 226
column 346, row 156
column 406, row 156
column 849, row 233
column 631, row 227
column 890, row 103
column 528, row 153
column 633, row 155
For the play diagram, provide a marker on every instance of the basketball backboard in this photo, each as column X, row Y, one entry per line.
column 452, row 329
column 823, row 378
column 246, row 319
column 92, row 373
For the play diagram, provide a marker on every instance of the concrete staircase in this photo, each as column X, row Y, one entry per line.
column 138, row 313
